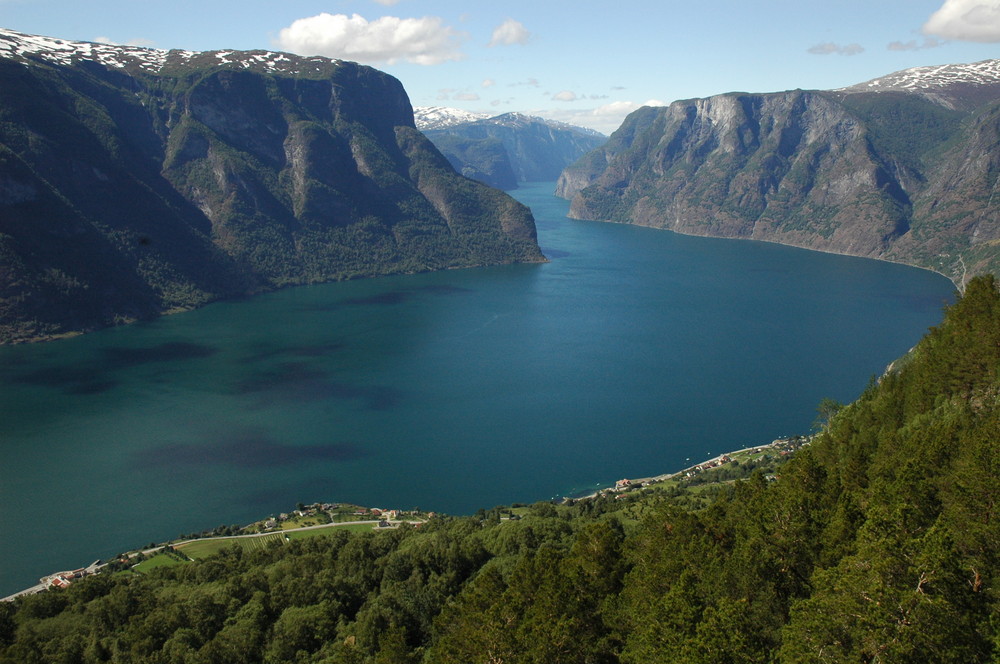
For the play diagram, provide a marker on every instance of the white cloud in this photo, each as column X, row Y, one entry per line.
column 466, row 96
column 510, row 32
column 565, row 95
column 387, row 3
column 604, row 119
column 623, row 108
column 139, row 41
column 423, row 41
column 966, row 20
column 488, row 83
column 828, row 48
column 914, row 45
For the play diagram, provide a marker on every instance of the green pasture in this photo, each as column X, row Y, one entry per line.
column 203, row 548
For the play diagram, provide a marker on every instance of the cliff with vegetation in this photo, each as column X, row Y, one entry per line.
column 879, row 542
column 903, row 168
column 135, row 182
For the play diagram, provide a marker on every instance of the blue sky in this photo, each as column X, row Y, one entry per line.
column 580, row 61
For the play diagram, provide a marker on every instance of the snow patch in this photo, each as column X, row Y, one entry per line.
column 24, row 47
column 921, row 79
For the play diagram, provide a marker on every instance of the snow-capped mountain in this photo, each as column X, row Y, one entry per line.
column 953, row 86
column 24, row 47
column 442, row 117
column 513, row 147
column 517, row 120
column 935, row 76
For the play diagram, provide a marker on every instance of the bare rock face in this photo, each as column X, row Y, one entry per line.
column 891, row 174
column 135, row 181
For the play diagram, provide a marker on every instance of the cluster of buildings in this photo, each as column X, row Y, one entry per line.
column 333, row 510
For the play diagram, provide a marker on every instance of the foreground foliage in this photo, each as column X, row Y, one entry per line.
column 878, row 543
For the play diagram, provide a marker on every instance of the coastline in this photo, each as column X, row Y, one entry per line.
column 621, row 487
column 782, row 445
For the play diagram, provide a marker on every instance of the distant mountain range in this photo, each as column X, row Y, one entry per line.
column 136, row 181
column 904, row 167
column 505, row 149
column 441, row 117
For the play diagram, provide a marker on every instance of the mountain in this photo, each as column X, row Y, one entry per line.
column 509, row 148
column 135, row 181
column 902, row 168
column 442, row 117
column 879, row 541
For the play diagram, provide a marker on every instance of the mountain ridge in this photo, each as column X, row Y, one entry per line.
column 509, row 148
column 906, row 176
column 135, row 182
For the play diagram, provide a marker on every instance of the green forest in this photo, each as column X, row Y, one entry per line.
column 876, row 543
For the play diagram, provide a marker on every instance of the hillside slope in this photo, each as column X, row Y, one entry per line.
column 135, row 181
column 904, row 168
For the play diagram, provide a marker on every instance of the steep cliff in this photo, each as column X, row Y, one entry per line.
column 901, row 168
column 136, row 181
column 537, row 149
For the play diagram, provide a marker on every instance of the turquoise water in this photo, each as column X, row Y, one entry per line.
column 630, row 352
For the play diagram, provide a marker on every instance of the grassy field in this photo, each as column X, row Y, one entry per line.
column 357, row 527
column 203, row 548
column 198, row 549
column 158, row 560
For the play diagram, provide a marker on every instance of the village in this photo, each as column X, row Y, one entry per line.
column 741, row 463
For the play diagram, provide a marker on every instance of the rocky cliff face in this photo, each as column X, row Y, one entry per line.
column 903, row 173
column 537, row 150
column 134, row 182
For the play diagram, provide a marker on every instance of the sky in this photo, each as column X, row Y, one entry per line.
column 585, row 62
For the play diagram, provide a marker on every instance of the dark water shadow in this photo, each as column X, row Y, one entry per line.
column 444, row 289
column 267, row 352
column 123, row 357
column 316, row 350
column 247, row 450
column 380, row 299
column 299, row 382
column 78, row 380
column 392, row 298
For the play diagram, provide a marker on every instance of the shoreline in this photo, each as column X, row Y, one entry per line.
column 58, row 579
column 787, row 444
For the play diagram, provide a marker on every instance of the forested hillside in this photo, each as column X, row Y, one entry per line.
column 877, row 543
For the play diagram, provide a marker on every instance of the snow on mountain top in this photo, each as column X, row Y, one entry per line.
column 442, row 117
column 21, row 46
column 515, row 119
column 59, row 51
column 920, row 79
column 439, row 117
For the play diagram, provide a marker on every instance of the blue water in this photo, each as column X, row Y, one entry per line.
column 631, row 351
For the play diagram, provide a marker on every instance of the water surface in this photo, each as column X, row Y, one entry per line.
column 630, row 352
